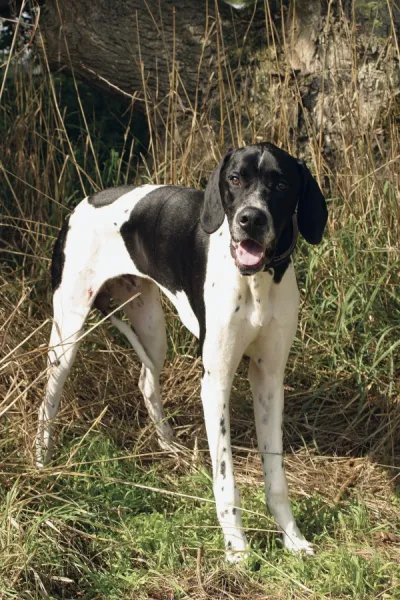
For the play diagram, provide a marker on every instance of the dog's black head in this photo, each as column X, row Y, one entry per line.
column 258, row 188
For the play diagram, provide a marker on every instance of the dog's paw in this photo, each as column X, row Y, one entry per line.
column 167, row 441
column 165, row 436
column 237, row 549
column 169, row 445
column 298, row 544
column 42, row 456
column 236, row 557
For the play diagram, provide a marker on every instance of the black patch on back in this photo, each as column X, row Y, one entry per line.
column 166, row 242
column 58, row 257
column 106, row 197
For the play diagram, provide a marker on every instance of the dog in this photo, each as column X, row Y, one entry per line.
column 223, row 258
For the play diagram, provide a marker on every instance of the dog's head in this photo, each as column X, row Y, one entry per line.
column 258, row 188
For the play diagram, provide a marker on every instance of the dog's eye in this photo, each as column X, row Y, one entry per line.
column 282, row 185
column 234, row 180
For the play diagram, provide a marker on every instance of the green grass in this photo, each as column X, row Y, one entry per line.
column 114, row 517
column 108, row 527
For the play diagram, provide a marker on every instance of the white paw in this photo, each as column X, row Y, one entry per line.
column 169, row 445
column 166, row 439
column 236, row 557
column 237, row 551
column 42, row 456
column 295, row 543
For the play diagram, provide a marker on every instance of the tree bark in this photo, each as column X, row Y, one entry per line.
column 305, row 63
column 141, row 48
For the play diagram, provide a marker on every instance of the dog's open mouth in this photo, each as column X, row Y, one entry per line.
column 247, row 253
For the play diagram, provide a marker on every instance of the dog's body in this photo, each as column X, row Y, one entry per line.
column 223, row 259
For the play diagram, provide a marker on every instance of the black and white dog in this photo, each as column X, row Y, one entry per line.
column 223, row 258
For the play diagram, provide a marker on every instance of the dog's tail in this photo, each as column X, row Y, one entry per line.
column 133, row 340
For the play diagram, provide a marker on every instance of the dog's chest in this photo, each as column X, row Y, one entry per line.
column 231, row 299
column 250, row 305
column 257, row 305
column 239, row 302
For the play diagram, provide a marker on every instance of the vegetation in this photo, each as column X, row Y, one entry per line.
column 115, row 517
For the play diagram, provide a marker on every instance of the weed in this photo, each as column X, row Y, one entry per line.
column 113, row 516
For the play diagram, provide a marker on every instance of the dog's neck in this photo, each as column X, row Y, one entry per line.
column 286, row 245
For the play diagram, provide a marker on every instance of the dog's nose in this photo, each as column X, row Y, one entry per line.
column 251, row 219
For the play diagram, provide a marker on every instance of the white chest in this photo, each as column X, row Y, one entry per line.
column 233, row 300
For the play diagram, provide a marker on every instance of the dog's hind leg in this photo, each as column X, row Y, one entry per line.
column 68, row 320
column 149, row 341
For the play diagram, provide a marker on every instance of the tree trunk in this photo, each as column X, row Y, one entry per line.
column 141, row 48
column 292, row 71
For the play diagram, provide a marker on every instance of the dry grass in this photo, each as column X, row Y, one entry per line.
column 77, row 529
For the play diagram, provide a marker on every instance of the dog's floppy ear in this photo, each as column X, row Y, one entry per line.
column 212, row 215
column 312, row 212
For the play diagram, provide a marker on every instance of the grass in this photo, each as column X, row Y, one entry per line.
column 113, row 524
column 113, row 516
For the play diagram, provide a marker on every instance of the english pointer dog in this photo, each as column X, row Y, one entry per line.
column 223, row 258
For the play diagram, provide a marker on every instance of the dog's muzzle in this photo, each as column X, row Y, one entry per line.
column 251, row 239
column 247, row 253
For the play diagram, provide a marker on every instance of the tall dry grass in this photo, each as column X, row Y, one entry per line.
column 343, row 374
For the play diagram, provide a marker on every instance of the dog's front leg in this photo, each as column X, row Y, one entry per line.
column 266, row 379
column 215, row 391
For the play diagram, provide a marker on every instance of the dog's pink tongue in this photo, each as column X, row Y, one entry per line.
column 249, row 253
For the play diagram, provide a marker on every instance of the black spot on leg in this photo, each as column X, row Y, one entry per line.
column 265, row 446
column 229, row 545
column 237, row 308
column 262, row 459
column 115, row 225
column 223, row 469
column 258, row 300
column 239, row 297
column 222, row 425
column 56, row 363
column 223, row 449
column 208, row 373
column 224, row 406
column 222, row 489
column 259, row 361
column 234, row 511
column 212, row 285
